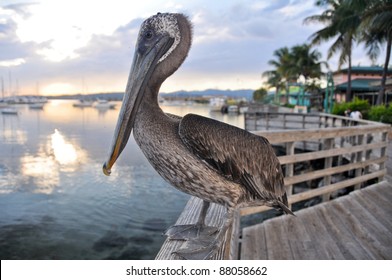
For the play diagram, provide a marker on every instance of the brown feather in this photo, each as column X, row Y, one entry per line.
column 243, row 157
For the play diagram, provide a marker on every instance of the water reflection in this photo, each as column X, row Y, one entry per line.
column 11, row 131
column 41, row 171
column 56, row 155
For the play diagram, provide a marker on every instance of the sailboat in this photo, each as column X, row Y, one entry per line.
column 2, row 100
column 6, row 108
column 37, row 103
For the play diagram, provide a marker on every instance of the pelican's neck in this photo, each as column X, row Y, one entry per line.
column 151, row 122
column 150, row 104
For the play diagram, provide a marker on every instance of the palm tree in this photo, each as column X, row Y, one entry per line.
column 340, row 23
column 291, row 64
column 376, row 30
column 307, row 62
column 283, row 67
column 274, row 80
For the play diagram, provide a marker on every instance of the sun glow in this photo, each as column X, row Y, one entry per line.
column 58, row 88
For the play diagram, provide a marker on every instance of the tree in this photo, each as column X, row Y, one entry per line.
column 307, row 62
column 376, row 30
column 341, row 23
column 274, row 80
column 259, row 94
column 291, row 64
column 284, row 67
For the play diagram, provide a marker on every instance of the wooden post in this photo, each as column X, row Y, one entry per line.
column 369, row 139
column 255, row 118
column 358, row 171
column 267, row 121
column 328, row 143
column 383, row 151
column 215, row 217
column 290, row 150
column 231, row 251
column 320, row 119
column 334, row 122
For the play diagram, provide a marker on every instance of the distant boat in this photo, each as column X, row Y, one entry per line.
column 232, row 109
column 37, row 102
column 216, row 104
column 243, row 109
column 3, row 104
column 103, row 104
column 83, row 103
column 9, row 111
column 36, row 106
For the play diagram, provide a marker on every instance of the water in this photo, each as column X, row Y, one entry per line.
column 55, row 202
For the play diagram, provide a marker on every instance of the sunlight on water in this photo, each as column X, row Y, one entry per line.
column 53, row 156
column 64, row 153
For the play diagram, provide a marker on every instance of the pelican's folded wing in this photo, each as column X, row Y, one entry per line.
column 243, row 157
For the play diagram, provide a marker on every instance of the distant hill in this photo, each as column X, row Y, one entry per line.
column 92, row 96
column 243, row 93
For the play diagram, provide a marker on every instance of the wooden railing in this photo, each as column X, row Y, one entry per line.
column 356, row 149
column 362, row 143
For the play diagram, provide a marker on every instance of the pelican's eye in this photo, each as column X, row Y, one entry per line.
column 148, row 34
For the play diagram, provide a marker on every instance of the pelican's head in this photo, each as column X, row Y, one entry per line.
column 163, row 43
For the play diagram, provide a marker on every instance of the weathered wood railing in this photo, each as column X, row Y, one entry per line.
column 344, row 146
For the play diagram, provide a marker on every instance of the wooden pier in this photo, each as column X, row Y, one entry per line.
column 355, row 226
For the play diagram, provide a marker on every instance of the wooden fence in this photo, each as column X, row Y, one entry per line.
column 355, row 149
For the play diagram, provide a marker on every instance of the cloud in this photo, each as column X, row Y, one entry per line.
column 12, row 62
column 12, row 49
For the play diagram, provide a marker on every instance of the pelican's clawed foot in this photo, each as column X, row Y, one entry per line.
column 191, row 232
column 198, row 249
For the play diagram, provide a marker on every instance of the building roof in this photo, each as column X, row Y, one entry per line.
column 377, row 83
column 365, row 70
column 359, row 85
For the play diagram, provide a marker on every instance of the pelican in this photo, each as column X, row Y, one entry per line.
column 214, row 161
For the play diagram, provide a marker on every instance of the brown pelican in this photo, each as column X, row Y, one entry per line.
column 206, row 158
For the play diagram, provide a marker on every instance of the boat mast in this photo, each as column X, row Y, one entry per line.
column 2, row 87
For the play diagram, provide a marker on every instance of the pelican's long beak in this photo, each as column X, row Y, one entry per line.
column 144, row 63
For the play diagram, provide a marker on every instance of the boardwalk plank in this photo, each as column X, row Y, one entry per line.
column 326, row 242
column 333, row 229
column 376, row 209
column 299, row 239
column 313, row 229
column 254, row 245
column 277, row 236
column 383, row 194
column 357, row 226
column 342, row 237
column 370, row 233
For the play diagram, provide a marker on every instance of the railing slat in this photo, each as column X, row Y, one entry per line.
column 331, row 171
column 333, row 152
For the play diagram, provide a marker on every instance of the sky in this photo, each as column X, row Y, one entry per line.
column 80, row 46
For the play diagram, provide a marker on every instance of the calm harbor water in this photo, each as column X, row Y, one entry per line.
column 55, row 202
